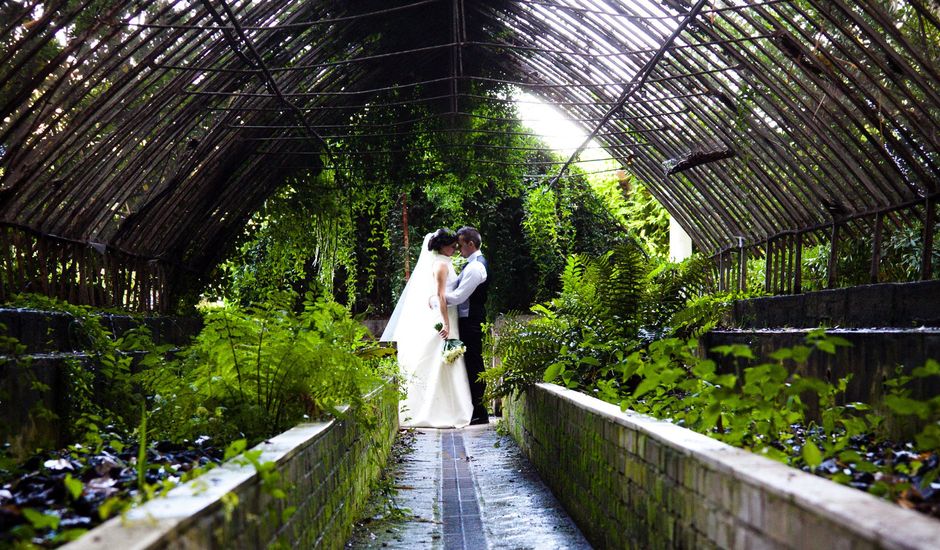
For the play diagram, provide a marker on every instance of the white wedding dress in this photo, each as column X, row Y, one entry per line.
column 438, row 394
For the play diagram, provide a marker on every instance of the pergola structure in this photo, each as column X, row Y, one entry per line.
column 136, row 137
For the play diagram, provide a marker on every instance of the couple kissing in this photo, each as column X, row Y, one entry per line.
column 442, row 393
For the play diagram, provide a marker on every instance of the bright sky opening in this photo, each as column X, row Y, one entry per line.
column 558, row 131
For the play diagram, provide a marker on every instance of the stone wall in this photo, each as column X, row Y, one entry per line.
column 630, row 481
column 899, row 305
column 51, row 341
column 888, row 325
column 330, row 466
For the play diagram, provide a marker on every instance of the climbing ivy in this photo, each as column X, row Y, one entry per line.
column 343, row 230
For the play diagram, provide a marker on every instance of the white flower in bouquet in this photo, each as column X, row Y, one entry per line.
column 453, row 348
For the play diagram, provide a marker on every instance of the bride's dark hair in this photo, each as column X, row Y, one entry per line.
column 441, row 238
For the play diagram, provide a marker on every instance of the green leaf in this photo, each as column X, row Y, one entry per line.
column 648, row 384
column 907, row 406
column 73, row 486
column 39, row 520
column 929, row 438
column 287, row 513
column 235, row 448
column 811, row 454
column 704, row 369
column 850, row 456
column 931, row 368
column 735, row 350
column 723, row 350
column 69, row 535
column 879, row 488
column 826, row 346
column 110, row 505
column 800, row 353
column 552, row 372
column 742, row 351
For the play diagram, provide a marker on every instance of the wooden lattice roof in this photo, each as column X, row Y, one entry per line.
column 153, row 128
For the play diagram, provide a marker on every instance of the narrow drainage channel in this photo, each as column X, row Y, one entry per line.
column 471, row 488
column 463, row 528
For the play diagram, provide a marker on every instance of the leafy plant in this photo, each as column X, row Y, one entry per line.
column 99, row 383
column 927, row 411
column 257, row 370
column 608, row 307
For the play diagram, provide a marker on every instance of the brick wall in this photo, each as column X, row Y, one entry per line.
column 329, row 464
column 51, row 340
column 630, row 481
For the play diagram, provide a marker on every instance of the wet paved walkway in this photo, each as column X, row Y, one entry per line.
column 469, row 488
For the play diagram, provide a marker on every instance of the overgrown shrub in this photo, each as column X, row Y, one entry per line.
column 609, row 333
column 608, row 307
column 254, row 371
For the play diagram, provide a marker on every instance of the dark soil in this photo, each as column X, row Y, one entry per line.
column 892, row 470
column 40, row 485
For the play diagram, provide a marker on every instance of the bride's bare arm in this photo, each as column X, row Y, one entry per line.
column 440, row 275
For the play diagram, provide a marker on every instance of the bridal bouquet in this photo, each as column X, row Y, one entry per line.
column 453, row 348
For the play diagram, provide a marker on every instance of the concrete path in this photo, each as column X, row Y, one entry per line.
column 467, row 489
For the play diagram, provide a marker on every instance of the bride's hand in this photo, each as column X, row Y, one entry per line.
column 444, row 332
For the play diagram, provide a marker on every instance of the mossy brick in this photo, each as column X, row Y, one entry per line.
column 700, row 514
column 640, row 449
column 810, row 529
column 749, row 506
column 778, row 522
column 653, row 453
column 688, row 476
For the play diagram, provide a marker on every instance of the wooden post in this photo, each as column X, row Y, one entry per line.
column 768, row 265
column 774, row 266
column 876, row 248
column 742, row 266
column 721, row 270
column 833, row 250
column 404, row 225
column 798, row 263
column 926, row 260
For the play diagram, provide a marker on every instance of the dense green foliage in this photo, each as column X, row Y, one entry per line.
column 608, row 307
column 258, row 370
column 252, row 371
column 344, row 229
column 622, row 333
column 98, row 390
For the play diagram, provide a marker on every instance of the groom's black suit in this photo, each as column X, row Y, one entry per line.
column 471, row 333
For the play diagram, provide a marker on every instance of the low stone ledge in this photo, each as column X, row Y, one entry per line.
column 330, row 466
column 872, row 357
column 904, row 305
column 629, row 480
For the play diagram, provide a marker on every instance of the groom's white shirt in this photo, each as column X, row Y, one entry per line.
column 472, row 276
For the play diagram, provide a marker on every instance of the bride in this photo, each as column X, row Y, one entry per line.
column 438, row 393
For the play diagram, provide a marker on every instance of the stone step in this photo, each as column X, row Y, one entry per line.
column 904, row 305
column 54, row 331
column 872, row 358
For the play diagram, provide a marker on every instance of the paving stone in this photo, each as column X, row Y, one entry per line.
column 471, row 489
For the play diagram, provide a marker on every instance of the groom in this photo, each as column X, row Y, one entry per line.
column 470, row 297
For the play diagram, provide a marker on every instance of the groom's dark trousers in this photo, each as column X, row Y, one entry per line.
column 471, row 334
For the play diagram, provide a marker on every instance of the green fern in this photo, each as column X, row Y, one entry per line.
column 609, row 306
